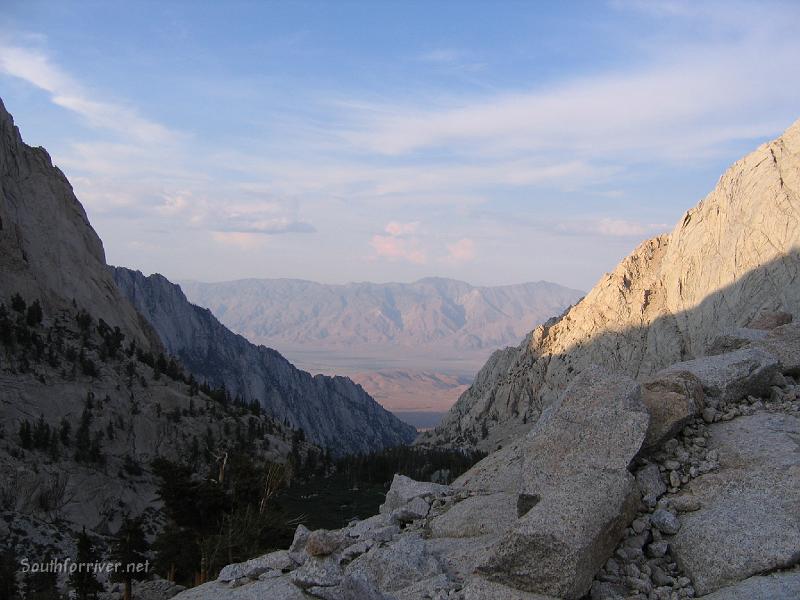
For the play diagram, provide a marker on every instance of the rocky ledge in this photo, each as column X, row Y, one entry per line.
column 684, row 485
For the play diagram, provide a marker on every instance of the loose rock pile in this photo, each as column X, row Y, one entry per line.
column 643, row 567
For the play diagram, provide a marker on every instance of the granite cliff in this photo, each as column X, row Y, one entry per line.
column 729, row 258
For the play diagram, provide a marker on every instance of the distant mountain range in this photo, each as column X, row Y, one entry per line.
column 432, row 324
column 413, row 346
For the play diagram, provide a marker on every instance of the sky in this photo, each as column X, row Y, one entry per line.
column 494, row 142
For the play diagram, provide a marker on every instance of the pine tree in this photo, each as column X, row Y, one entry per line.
column 34, row 315
column 8, row 572
column 64, row 431
column 83, row 437
column 129, row 548
column 83, row 580
column 18, row 304
column 25, row 436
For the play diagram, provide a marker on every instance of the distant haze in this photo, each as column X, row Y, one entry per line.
column 413, row 346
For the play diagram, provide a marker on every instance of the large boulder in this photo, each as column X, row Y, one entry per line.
column 732, row 376
column 749, row 516
column 575, row 493
column 350, row 588
column 477, row 515
column 277, row 588
column 251, row 569
column 404, row 489
column 156, row 589
column 784, row 344
column 478, row 588
column 557, row 548
column 770, row 320
column 673, row 398
column 777, row 586
column 397, row 565
column 734, row 339
column 459, row 557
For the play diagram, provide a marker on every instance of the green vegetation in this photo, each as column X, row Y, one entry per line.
column 225, row 516
column 329, row 494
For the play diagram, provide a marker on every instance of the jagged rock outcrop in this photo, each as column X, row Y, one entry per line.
column 574, row 494
column 334, row 412
column 729, row 259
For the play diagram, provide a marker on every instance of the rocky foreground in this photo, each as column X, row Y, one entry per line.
column 684, row 485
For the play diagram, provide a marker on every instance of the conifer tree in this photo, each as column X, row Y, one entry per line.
column 129, row 548
column 83, row 581
column 8, row 573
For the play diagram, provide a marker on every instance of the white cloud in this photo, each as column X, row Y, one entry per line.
column 685, row 98
column 396, row 248
column 395, row 228
column 399, row 243
column 461, row 251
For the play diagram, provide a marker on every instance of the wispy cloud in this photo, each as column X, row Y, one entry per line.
column 35, row 67
column 441, row 55
column 688, row 95
column 610, row 227
column 240, row 240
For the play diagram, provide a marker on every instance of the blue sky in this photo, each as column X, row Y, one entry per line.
column 495, row 142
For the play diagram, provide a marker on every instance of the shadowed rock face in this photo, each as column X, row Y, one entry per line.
column 730, row 258
column 334, row 412
column 48, row 249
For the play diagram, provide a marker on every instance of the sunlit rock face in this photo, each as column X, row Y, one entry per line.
column 729, row 259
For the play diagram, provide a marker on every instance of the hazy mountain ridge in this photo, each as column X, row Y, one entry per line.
column 436, row 317
column 334, row 412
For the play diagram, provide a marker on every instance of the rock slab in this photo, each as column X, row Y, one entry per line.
column 749, row 516
column 575, row 462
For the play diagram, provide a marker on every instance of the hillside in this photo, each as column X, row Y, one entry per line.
column 333, row 412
